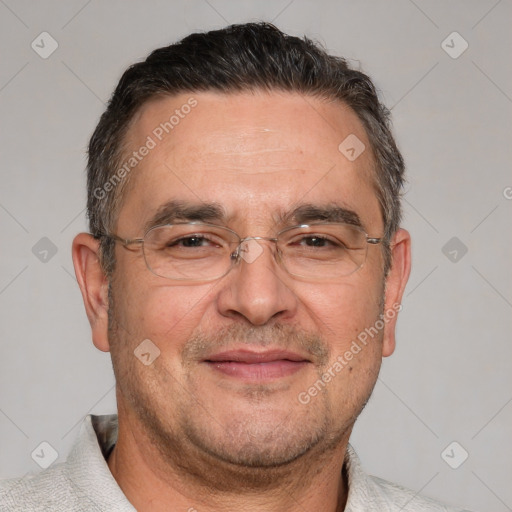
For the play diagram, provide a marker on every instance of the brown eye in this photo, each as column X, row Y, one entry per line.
column 191, row 241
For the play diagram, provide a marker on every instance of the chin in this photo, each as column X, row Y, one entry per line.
column 261, row 438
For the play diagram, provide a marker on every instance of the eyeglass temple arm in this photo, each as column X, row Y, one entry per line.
column 124, row 241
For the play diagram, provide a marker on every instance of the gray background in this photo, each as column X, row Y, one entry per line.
column 450, row 378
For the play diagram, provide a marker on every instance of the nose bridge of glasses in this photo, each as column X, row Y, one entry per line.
column 249, row 248
column 267, row 238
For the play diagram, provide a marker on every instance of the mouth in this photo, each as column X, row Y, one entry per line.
column 257, row 366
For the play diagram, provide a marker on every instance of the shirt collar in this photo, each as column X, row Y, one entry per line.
column 87, row 468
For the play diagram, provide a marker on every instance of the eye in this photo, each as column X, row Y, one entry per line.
column 189, row 241
column 195, row 240
column 317, row 241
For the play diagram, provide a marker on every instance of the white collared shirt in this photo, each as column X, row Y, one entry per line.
column 84, row 483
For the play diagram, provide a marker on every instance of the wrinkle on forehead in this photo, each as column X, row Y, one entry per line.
column 249, row 152
column 252, row 130
column 240, row 138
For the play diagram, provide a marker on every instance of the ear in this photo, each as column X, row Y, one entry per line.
column 395, row 285
column 94, row 286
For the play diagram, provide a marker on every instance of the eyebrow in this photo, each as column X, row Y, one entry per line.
column 333, row 212
column 185, row 211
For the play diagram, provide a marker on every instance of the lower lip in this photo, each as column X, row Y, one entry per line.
column 258, row 371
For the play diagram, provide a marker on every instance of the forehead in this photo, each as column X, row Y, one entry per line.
column 256, row 154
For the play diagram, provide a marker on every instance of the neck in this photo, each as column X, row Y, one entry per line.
column 151, row 480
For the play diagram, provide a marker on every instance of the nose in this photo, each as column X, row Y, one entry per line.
column 257, row 289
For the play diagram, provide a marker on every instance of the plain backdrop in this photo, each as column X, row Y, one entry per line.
column 443, row 68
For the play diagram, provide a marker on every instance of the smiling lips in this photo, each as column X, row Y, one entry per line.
column 257, row 366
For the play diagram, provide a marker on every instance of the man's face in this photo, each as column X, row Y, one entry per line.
column 257, row 156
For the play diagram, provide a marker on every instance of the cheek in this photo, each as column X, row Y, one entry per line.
column 167, row 315
column 342, row 311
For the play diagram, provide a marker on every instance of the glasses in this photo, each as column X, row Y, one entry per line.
column 195, row 251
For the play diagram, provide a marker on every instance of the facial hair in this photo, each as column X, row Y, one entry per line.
column 251, row 455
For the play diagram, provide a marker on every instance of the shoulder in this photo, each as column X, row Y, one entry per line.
column 82, row 482
column 372, row 494
column 407, row 500
column 48, row 490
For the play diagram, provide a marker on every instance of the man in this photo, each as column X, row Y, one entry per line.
column 245, row 269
